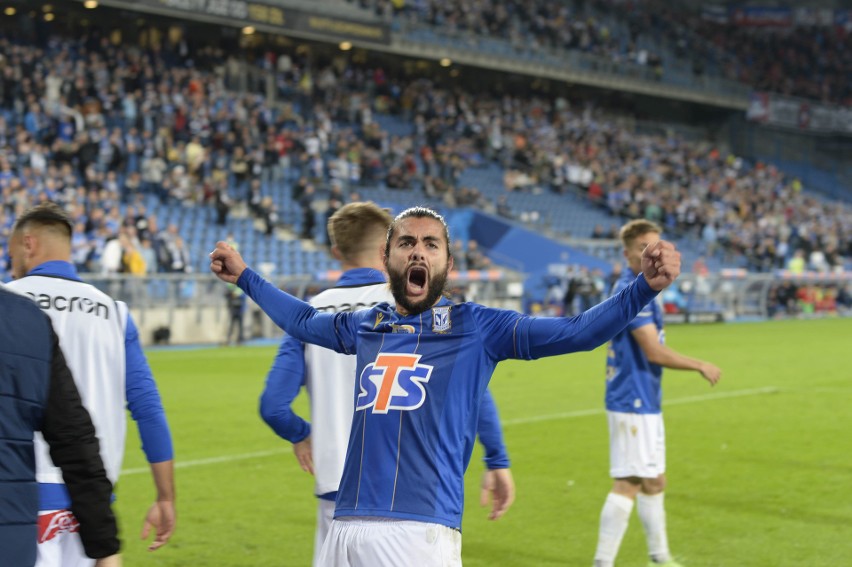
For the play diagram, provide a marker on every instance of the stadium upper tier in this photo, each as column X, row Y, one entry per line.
column 653, row 40
column 134, row 141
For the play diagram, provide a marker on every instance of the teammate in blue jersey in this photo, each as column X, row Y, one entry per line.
column 101, row 345
column 358, row 232
column 635, row 361
column 422, row 369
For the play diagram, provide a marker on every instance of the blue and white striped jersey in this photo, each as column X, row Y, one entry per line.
column 420, row 381
column 330, row 380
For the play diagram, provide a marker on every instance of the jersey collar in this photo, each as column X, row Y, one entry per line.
column 56, row 269
column 360, row 276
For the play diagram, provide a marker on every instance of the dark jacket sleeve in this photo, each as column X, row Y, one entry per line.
column 74, row 448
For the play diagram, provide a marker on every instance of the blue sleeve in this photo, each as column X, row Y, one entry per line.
column 549, row 336
column 491, row 434
column 644, row 317
column 335, row 331
column 498, row 328
column 283, row 383
column 143, row 400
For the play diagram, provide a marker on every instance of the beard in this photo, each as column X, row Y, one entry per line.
column 398, row 281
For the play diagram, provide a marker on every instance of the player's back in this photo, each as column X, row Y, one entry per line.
column 91, row 330
column 330, row 380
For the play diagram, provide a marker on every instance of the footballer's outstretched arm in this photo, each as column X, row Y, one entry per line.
column 298, row 318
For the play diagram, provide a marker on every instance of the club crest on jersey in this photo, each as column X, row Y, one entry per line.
column 393, row 382
column 441, row 319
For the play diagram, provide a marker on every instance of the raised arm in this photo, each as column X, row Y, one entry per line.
column 550, row 336
column 660, row 264
column 226, row 263
column 511, row 335
column 295, row 316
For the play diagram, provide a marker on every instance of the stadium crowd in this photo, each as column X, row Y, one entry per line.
column 807, row 62
column 746, row 214
column 810, row 62
column 97, row 127
column 795, row 299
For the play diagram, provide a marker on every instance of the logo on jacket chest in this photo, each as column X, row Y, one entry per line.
column 393, row 382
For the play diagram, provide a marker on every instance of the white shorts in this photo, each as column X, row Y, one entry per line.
column 325, row 514
column 59, row 541
column 381, row 542
column 637, row 445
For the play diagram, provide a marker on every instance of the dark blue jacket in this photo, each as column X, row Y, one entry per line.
column 37, row 393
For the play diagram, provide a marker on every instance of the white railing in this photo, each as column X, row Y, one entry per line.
column 193, row 306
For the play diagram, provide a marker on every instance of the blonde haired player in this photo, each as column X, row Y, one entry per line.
column 635, row 361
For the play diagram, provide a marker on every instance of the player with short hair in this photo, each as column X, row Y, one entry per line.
column 422, row 369
column 635, row 361
column 357, row 232
column 101, row 344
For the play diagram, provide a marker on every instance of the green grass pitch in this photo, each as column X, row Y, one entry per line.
column 759, row 467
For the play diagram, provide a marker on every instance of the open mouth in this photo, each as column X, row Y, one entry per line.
column 417, row 277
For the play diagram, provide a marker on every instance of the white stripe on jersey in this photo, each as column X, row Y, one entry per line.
column 91, row 329
column 330, row 380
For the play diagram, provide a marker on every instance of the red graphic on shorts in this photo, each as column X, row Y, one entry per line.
column 56, row 523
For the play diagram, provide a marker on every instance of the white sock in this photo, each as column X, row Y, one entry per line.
column 653, row 517
column 614, row 518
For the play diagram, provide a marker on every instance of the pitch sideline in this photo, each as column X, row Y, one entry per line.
column 675, row 402
column 506, row 423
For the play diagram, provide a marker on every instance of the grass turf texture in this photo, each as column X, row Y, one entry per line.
column 757, row 466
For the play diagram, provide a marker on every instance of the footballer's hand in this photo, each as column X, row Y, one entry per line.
column 226, row 263
column 711, row 373
column 302, row 450
column 498, row 487
column 161, row 517
column 660, row 264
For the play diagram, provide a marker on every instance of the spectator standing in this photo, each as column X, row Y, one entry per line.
column 236, row 302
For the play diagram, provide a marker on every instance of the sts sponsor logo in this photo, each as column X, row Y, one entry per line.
column 393, row 382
